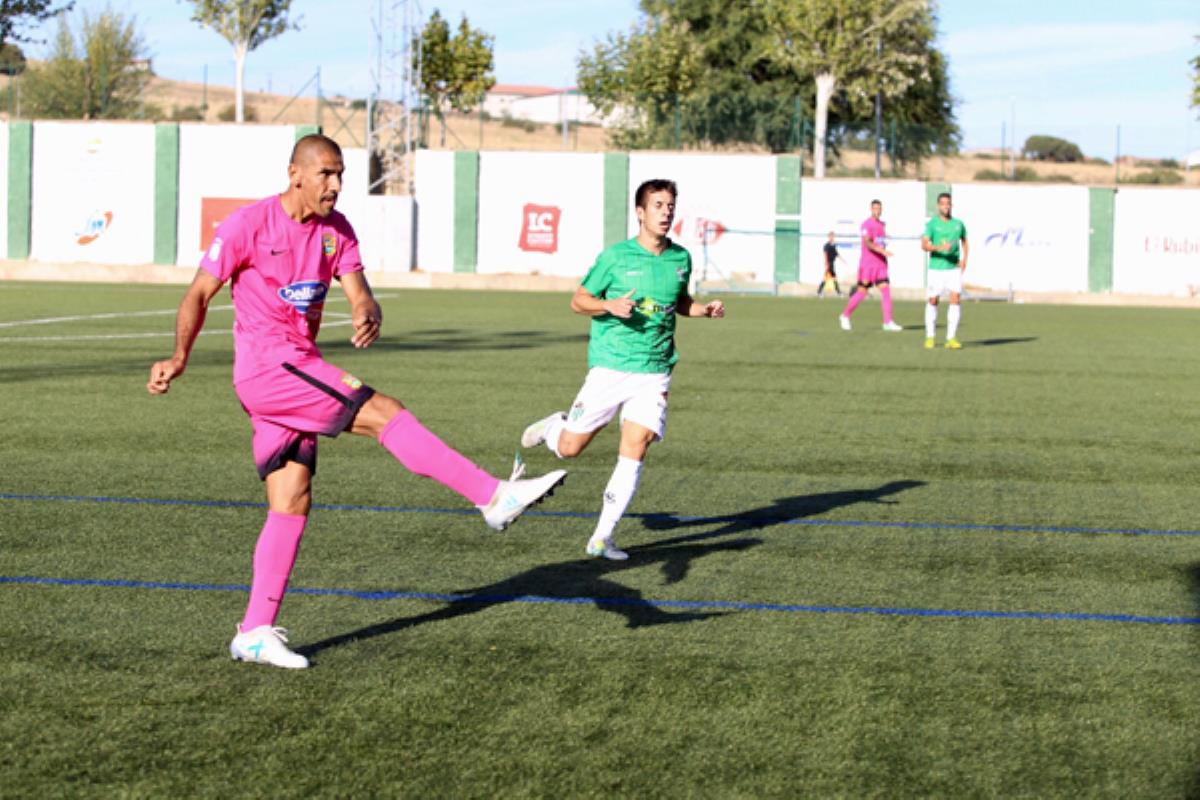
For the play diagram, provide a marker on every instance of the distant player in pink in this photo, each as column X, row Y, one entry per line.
column 281, row 255
column 872, row 269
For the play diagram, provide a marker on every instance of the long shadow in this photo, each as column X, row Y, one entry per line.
column 999, row 341
column 580, row 580
column 1193, row 576
column 137, row 368
column 454, row 340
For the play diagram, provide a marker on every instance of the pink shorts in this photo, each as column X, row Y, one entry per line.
column 871, row 274
column 291, row 404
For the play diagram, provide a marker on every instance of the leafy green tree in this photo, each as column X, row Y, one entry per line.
column 1051, row 148
column 245, row 24
column 18, row 12
column 863, row 47
column 12, row 59
column 98, row 75
column 455, row 71
column 708, row 72
column 1196, row 80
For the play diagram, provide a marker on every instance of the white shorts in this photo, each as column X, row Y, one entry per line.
column 641, row 397
column 943, row 281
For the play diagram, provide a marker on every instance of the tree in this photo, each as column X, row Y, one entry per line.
column 863, row 47
column 12, row 59
column 16, row 12
column 245, row 24
column 455, row 72
column 1051, row 148
column 707, row 72
column 100, row 75
column 1196, row 80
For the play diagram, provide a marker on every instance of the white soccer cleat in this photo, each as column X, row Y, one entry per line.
column 535, row 434
column 892, row 327
column 512, row 498
column 844, row 321
column 266, row 645
column 606, row 549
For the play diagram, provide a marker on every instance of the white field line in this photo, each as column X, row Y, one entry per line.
column 128, row 314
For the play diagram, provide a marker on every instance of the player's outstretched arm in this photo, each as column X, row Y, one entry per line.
column 585, row 303
column 365, row 314
column 688, row 307
column 188, row 322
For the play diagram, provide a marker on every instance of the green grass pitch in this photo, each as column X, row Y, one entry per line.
column 859, row 568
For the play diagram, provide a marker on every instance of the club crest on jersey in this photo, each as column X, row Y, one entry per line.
column 303, row 294
column 328, row 244
column 351, row 381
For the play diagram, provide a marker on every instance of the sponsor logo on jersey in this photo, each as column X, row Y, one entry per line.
column 303, row 294
column 214, row 252
column 648, row 307
column 351, row 381
column 328, row 244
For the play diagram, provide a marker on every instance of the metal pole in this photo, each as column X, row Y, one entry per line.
column 1012, row 162
column 1117, row 159
column 204, row 97
column 318, row 98
column 878, row 108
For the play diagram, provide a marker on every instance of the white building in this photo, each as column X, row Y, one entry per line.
column 542, row 104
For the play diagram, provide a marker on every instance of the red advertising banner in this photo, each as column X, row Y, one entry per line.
column 214, row 211
column 539, row 228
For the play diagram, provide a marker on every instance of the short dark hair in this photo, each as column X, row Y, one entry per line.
column 945, row 195
column 306, row 145
column 876, row 202
column 654, row 185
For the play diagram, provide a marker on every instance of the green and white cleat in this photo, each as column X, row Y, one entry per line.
column 266, row 645
column 513, row 498
column 930, row 344
column 535, row 434
column 953, row 344
column 606, row 549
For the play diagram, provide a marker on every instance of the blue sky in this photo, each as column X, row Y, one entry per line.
column 1071, row 68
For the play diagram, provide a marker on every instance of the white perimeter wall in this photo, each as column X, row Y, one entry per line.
column 1034, row 238
column 434, row 185
column 736, row 191
column 3, row 190
column 570, row 182
column 93, row 193
column 1156, row 242
column 842, row 206
column 247, row 161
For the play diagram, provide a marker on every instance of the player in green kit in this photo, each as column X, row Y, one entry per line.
column 945, row 239
column 632, row 293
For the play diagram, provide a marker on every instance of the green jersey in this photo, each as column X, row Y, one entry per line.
column 941, row 231
column 646, row 341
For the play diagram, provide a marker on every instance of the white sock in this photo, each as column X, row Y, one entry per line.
column 952, row 315
column 553, row 432
column 930, row 320
column 617, row 495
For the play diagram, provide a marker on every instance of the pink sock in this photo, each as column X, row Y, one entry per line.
column 855, row 299
column 885, row 297
column 274, row 556
column 425, row 454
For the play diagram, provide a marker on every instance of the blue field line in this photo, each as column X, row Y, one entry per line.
column 751, row 520
column 690, row 605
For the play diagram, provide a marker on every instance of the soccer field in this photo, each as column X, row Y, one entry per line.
column 857, row 568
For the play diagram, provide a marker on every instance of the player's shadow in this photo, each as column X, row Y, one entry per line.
column 455, row 340
column 581, row 581
column 1193, row 577
column 781, row 511
column 1000, row 341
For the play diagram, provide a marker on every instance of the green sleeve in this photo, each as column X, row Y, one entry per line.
column 599, row 277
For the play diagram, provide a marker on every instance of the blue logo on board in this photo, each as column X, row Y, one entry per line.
column 303, row 294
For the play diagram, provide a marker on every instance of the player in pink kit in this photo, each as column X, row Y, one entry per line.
column 872, row 269
column 281, row 255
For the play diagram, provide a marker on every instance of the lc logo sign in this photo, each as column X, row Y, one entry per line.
column 539, row 228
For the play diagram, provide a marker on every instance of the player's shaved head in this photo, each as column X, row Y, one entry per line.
column 313, row 146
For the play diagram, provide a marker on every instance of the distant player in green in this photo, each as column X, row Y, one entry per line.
column 945, row 239
column 632, row 293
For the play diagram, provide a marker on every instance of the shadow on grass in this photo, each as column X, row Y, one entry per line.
column 587, row 581
column 581, row 581
column 455, row 340
column 999, row 341
column 1193, row 575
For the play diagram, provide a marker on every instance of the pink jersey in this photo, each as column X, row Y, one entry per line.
column 281, row 272
column 875, row 231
